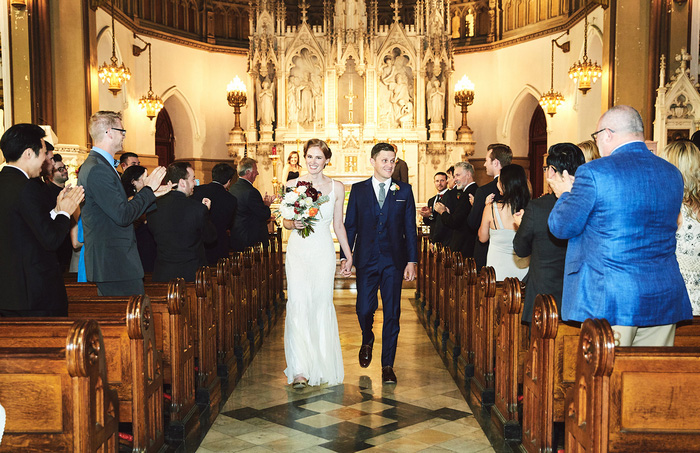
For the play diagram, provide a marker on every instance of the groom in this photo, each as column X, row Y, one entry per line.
column 381, row 228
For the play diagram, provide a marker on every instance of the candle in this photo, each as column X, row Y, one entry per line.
column 274, row 150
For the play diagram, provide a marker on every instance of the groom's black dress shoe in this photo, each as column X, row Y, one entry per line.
column 388, row 376
column 365, row 355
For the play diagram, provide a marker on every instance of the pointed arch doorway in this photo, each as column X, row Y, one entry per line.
column 165, row 139
column 537, row 150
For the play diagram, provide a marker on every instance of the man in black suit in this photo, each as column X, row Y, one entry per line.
column 400, row 170
column 533, row 238
column 250, row 225
column 111, row 256
column 455, row 217
column 439, row 233
column 30, row 276
column 498, row 156
column 222, row 210
column 180, row 226
column 57, row 174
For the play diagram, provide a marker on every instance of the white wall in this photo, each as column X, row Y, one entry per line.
column 508, row 81
column 191, row 82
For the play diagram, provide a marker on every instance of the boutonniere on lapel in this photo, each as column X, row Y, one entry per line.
column 394, row 187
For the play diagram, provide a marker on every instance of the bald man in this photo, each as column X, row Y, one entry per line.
column 619, row 215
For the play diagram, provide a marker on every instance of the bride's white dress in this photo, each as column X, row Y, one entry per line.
column 311, row 340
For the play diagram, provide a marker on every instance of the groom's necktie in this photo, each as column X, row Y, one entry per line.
column 382, row 195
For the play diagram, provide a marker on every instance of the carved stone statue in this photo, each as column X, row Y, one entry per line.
column 304, row 93
column 266, row 104
column 435, row 98
column 293, row 100
column 401, row 99
column 456, row 23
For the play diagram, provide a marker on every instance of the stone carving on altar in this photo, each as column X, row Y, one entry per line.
column 677, row 103
column 396, row 90
column 435, row 98
column 266, row 102
column 305, row 89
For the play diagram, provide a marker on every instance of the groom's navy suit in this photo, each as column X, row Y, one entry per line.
column 383, row 241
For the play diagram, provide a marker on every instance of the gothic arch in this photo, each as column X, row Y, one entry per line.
column 524, row 98
column 184, row 121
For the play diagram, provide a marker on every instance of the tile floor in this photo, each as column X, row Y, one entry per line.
column 425, row 411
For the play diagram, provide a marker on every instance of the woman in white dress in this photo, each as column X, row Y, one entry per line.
column 498, row 225
column 686, row 156
column 311, row 339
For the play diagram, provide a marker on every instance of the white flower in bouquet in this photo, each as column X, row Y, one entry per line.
column 290, row 197
column 287, row 211
column 300, row 189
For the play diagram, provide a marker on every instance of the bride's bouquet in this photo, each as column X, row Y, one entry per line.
column 302, row 203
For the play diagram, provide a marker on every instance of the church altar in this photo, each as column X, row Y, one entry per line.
column 352, row 74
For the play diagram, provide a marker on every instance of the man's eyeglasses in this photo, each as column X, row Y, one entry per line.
column 123, row 131
column 595, row 134
column 61, row 169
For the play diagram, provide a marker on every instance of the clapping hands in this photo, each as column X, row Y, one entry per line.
column 489, row 199
column 561, row 182
column 69, row 199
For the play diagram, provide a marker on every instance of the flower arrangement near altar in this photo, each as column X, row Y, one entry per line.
column 302, row 203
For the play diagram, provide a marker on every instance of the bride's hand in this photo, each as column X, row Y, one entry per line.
column 298, row 224
column 346, row 267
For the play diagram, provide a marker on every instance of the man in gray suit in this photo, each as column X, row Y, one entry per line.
column 111, row 256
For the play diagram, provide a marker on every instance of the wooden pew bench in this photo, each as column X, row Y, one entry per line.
column 134, row 367
column 632, row 398
column 57, row 397
column 174, row 341
column 550, row 371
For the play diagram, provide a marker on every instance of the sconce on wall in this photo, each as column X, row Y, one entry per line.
column 236, row 96
column 114, row 74
column 585, row 72
column 464, row 97
column 553, row 99
column 151, row 103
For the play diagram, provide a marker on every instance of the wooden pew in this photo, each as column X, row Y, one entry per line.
column 451, row 348
column 174, row 339
column 511, row 350
column 57, row 398
column 444, row 281
column 548, row 374
column 421, row 282
column 134, row 367
column 227, row 364
column 632, row 398
column 254, row 321
column 466, row 270
column 280, row 266
column 242, row 346
column 482, row 384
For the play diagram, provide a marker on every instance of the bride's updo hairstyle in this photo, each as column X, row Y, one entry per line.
column 318, row 143
column 516, row 191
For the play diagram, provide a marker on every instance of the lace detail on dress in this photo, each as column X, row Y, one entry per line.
column 688, row 255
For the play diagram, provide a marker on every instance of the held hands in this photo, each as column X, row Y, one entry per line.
column 346, row 267
column 206, row 202
column 561, row 182
column 69, row 199
column 409, row 274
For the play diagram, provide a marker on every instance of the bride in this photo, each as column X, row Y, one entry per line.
column 311, row 339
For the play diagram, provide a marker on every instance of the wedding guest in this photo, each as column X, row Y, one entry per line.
column 590, row 150
column 293, row 168
column 133, row 181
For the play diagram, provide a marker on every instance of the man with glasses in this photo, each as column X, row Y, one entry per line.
column 57, row 182
column 621, row 226
column 111, row 256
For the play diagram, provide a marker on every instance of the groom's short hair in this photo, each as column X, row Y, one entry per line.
column 379, row 147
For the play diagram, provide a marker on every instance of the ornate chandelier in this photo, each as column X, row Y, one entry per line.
column 151, row 103
column 113, row 74
column 551, row 99
column 586, row 71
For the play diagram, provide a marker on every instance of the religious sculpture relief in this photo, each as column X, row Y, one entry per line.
column 395, row 90
column 305, row 89
column 435, row 99
column 266, row 103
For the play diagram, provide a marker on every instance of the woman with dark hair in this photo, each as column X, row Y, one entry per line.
column 311, row 340
column 133, row 181
column 498, row 223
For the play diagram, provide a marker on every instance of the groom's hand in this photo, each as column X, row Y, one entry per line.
column 409, row 274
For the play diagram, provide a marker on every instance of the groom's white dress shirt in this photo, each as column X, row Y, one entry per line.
column 375, row 185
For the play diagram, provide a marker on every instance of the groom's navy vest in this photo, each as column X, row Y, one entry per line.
column 382, row 241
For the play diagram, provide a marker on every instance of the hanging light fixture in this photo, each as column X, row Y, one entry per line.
column 114, row 74
column 586, row 71
column 150, row 102
column 551, row 99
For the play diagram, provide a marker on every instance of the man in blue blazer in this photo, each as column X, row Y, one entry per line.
column 621, row 225
column 381, row 227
